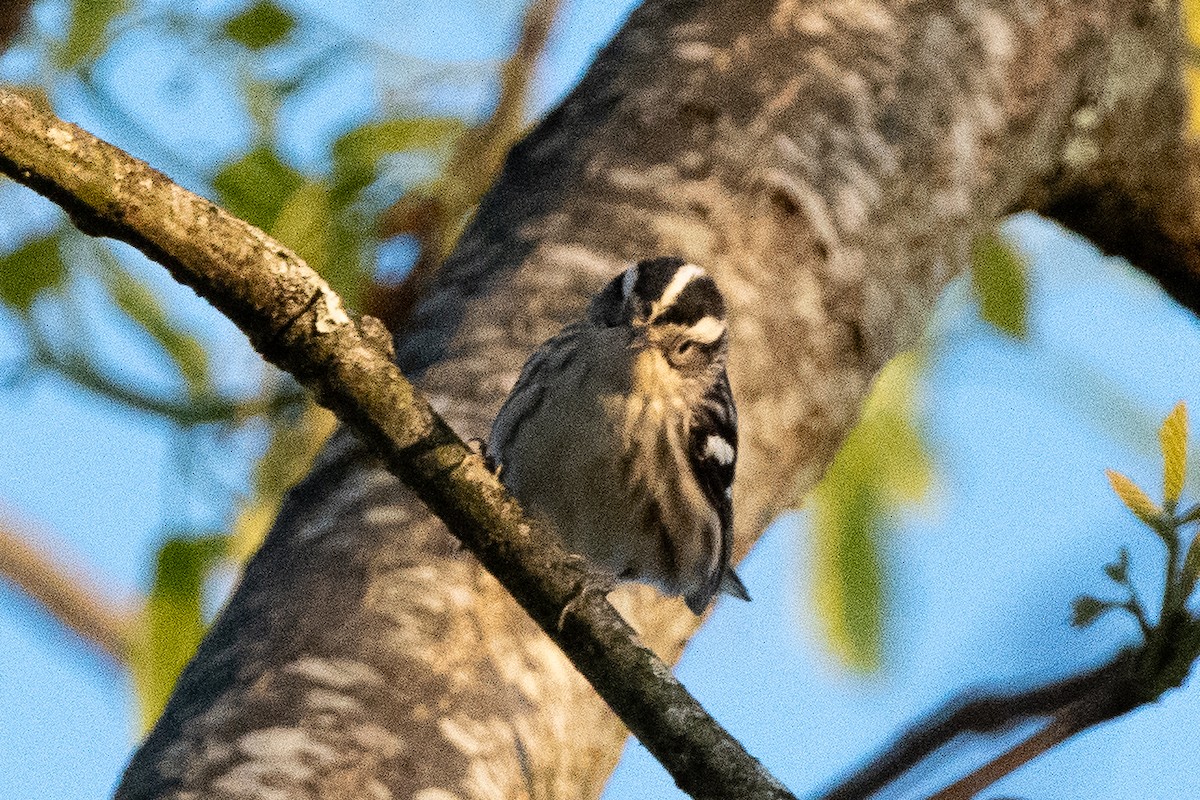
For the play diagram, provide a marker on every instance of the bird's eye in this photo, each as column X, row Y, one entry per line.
column 683, row 353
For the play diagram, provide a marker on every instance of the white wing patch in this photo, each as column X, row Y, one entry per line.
column 715, row 447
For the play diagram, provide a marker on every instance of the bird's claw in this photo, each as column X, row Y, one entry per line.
column 593, row 583
column 480, row 448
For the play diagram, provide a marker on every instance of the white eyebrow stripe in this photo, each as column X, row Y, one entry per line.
column 682, row 277
column 715, row 447
column 631, row 276
column 706, row 331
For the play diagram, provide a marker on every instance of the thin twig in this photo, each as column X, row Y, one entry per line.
column 1098, row 705
column 203, row 409
column 432, row 215
column 967, row 787
column 1109, row 688
column 65, row 595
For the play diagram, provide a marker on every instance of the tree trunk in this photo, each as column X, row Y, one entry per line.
column 830, row 164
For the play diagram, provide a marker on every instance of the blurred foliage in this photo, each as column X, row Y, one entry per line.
column 256, row 186
column 261, row 25
column 881, row 464
column 172, row 622
column 31, row 269
column 87, row 31
column 68, row 294
column 1190, row 12
column 999, row 277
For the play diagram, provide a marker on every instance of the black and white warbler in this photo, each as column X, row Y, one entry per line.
column 621, row 432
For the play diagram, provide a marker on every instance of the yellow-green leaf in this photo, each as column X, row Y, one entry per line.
column 261, row 25
column 173, row 622
column 356, row 153
column 364, row 145
column 1134, row 498
column 889, row 443
column 1173, row 438
column 881, row 463
column 87, row 31
column 303, row 224
column 256, row 186
column 849, row 575
column 999, row 277
column 29, row 270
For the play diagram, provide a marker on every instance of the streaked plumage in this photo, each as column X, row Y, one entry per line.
column 622, row 433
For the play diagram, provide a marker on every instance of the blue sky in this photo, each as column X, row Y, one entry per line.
column 981, row 575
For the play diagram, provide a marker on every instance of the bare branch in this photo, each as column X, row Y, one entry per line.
column 297, row 322
column 204, row 409
column 66, row 595
column 1109, row 687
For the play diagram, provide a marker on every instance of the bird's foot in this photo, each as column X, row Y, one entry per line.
column 593, row 583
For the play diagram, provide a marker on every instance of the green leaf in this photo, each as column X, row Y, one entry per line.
column 145, row 310
column 261, row 25
column 256, row 186
column 1118, row 570
column 310, row 225
column 1085, row 610
column 882, row 462
column 849, row 576
column 889, row 443
column 356, row 153
column 173, row 623
column 303, row 224
column 31, row 269
column 999, row 276
column 87, row 31
column 367, row 143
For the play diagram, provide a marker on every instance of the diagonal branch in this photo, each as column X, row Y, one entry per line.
column 1134, row 677
column 298, row 323
column 68, row 598
column 1104, row 687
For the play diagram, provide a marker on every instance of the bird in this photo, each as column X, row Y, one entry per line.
column 620, row 433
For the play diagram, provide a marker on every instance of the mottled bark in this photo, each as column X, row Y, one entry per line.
column 830, row 163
